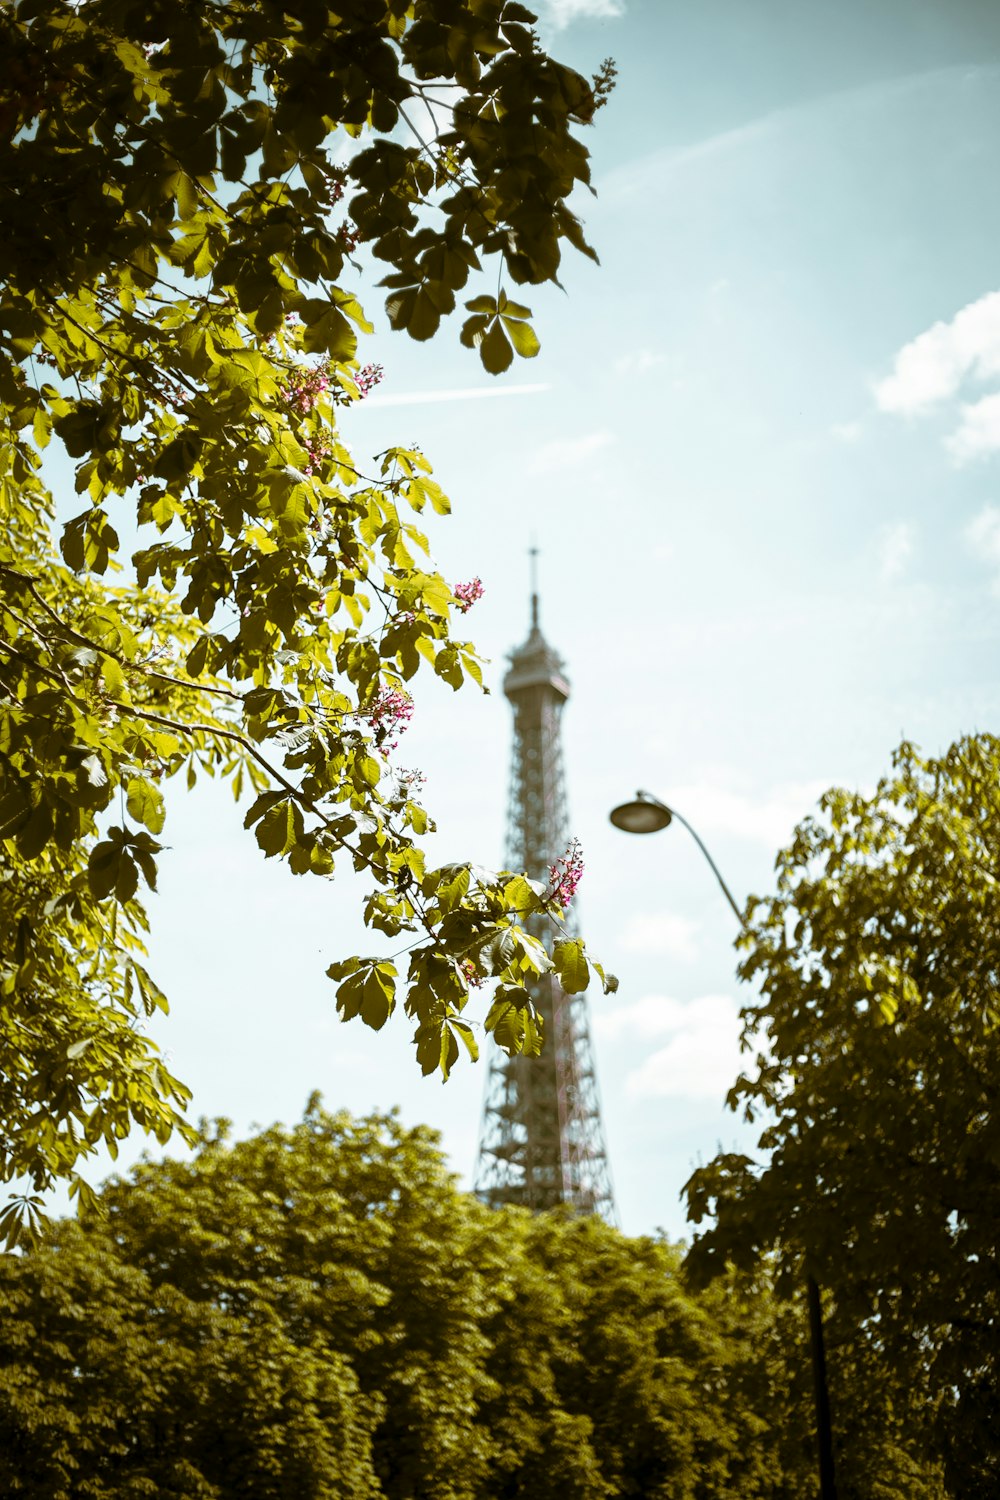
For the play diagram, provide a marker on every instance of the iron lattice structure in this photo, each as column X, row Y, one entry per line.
column 541, row 1141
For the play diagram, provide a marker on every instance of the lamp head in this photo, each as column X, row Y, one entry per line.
column 645, row 815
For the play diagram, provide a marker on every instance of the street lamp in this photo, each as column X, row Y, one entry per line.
column 647, row 814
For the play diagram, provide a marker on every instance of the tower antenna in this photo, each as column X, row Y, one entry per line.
column 533, row 565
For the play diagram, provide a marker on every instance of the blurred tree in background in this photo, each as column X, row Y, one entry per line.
column 877, row 1033
column 318, row 1311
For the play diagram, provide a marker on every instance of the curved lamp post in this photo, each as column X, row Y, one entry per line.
column 647, row 814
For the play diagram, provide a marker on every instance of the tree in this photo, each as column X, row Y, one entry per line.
column 877, row 1033
column 318, row 1310
column 111, row 1386
column 186, row 191
column 352, row 1237
column 617, row 1347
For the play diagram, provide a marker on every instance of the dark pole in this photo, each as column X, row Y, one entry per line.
column 827, row 1482
column 824, row 1426
column 715, row 869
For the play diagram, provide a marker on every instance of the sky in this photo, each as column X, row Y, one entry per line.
column 758, row 453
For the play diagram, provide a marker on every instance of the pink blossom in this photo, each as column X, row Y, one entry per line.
column 367, row 378
column 389, row 714
column 303, row 389
column 470, row 973
column 468, row 593
column 565, row 875
column 315, row 454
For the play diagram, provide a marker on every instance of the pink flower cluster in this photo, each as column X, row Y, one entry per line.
column 565, row 875
column 471, row 974
column 367, row 378
column 307, row 384
column 315, row 454
column 468, row 593
column 305, row 387
column 389, row 714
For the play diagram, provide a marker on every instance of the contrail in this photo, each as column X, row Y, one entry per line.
column 473, row 393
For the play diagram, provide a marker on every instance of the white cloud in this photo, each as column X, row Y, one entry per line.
column 895, row 548
column 466, row 393
column 661, row 932
column 767, row 819
column 646, row 174
column 568, row 452
column 983, row 536
column 932, row 367
column 978, row 432
column 639, row 362
column 653, row 1015
column 846, row 432
column 563, row 13
column 700, row 1056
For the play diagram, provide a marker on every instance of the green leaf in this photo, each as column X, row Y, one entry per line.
column 35, row 833
column 370, row 770
column 351, row 995
column 466, row 1036
column 522, row 336
column 280, row 828
column 260, row 805
column 453, row 889
column 378, row 996
column 15, row 810
column 102, row 868
column 448, row 666
column 523, row 895
column 331, row 334
column 145, row 804
column 494, row 350
column 88, row 541
column 340, row 970
column 507, row 1018
column 177, row 459
column 609, row 982
column 187, row 196
column 152, row 996
column 571, row 965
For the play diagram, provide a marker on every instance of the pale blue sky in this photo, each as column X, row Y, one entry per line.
column 763, row 564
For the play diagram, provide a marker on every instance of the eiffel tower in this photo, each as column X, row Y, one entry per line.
column 541, row 1141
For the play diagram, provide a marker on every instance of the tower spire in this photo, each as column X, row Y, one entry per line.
column 533, row 556
column 542, row 1141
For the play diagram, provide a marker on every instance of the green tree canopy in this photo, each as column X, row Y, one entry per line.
column 877, row 1034
column 186, row 187
column 318, row 1310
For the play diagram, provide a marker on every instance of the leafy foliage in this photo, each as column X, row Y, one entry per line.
column 878, row 1026
column 319, row 1311
column 113, row 1387
column 185, row 187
